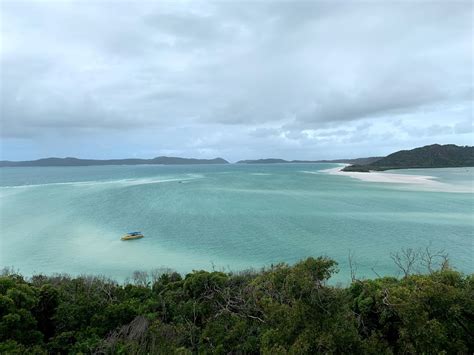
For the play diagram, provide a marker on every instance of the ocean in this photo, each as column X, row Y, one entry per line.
column 224, row 217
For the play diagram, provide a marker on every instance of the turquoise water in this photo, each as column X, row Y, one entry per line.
column 70, row 220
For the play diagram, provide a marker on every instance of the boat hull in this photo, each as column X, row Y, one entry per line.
column 131, row 237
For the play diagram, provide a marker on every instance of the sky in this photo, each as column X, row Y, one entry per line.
column 233, row 79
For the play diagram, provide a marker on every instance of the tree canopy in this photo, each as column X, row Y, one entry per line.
column 279, row 310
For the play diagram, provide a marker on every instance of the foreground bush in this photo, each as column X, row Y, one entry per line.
column 281, row 310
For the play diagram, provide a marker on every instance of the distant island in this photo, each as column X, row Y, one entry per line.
column 283, row 161
column 69, row 161
column 430, row 156
column 88, row 162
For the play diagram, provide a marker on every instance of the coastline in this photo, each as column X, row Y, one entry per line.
column 425, row 182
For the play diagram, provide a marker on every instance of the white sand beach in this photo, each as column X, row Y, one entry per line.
column 421, row 181
column 379, row 176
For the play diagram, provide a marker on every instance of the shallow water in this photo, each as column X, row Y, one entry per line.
column 70, row 219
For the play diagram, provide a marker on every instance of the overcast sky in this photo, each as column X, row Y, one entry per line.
column 235, row 79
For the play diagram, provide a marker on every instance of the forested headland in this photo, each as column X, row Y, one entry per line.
column 430, row 156
column 282, row 309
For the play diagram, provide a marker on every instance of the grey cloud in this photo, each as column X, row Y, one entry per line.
column 391, row 98
column 265, row 132
column 430, row 131
column 287, row 66
column 464, row 127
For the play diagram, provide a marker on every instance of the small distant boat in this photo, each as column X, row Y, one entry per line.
column 132, row 235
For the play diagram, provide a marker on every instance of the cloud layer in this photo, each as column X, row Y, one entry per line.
column 235, row 79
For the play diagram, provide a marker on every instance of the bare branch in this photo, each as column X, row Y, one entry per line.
column 352, row 266
column 140, row 278
column 433, row 261
column 405, row 260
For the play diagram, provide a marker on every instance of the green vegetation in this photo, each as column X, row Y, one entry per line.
column 281, row 310
column 360, row 168
column 430, row 156
column 92, row 162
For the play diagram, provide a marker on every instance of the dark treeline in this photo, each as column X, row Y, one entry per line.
column 280, row 310
column 430, row 156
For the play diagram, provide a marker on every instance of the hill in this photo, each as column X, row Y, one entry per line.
column 430, row 156
column 88, row 162
column 282, row 161
column 264, row 161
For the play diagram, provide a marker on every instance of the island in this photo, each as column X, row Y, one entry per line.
column 430, row 156
column 368, row 160
column 88, row 162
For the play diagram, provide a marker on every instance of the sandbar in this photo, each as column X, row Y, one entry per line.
column 421, row 181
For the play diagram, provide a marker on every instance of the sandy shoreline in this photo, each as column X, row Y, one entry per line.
column 424, row 181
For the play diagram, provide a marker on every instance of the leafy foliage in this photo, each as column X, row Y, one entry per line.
column 281, row 310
